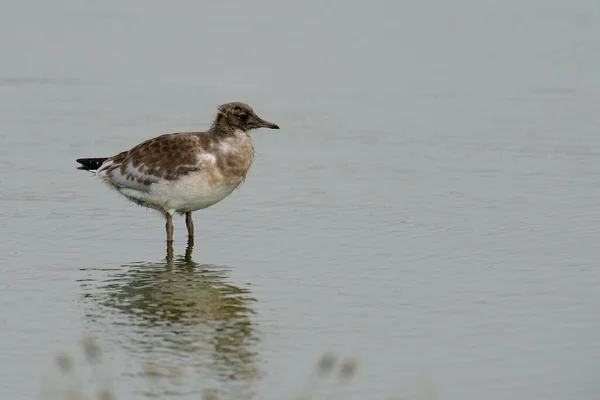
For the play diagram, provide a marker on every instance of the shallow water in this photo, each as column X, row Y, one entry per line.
column 428, row 209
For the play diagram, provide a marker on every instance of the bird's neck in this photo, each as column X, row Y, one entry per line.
column 220, row 126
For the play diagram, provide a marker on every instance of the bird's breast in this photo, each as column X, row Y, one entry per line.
column 233, row 158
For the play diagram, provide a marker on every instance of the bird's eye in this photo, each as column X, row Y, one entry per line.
column 244, row 117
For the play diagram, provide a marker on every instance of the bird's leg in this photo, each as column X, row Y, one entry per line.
column 169, row 227
column 169, row 257
column 190, row 224
column 189, row 249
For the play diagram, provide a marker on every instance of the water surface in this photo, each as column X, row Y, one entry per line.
column 429, row 207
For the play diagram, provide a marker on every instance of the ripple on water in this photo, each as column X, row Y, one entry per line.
column 184, row 323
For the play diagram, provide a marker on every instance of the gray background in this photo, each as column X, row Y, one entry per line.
column 430, row 205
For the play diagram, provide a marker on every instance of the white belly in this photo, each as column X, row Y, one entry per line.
column 190, row 193
column 193, row 192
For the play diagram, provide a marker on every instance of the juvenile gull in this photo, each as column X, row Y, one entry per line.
column 186, row 171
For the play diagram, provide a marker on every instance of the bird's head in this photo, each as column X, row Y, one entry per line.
column 240, row 116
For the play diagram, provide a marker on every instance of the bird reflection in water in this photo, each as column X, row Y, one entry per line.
column 183, row 313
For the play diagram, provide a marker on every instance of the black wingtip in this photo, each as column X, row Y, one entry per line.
column 90, row 164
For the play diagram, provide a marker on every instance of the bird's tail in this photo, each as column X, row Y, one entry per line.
column 90, row 164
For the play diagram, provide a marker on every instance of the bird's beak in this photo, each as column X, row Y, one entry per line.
column 266, row 124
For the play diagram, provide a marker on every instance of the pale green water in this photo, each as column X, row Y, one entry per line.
column 430, row 205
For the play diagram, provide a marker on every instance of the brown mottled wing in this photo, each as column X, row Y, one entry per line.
column 158, row 160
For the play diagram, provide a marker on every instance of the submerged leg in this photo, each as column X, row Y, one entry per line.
column 189, row 249
column 189, row 223
column 169, row 227
column 169, row 257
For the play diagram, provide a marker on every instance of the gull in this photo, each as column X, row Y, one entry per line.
column 185, row 171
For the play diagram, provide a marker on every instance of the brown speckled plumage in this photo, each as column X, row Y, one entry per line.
column 185, row 171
